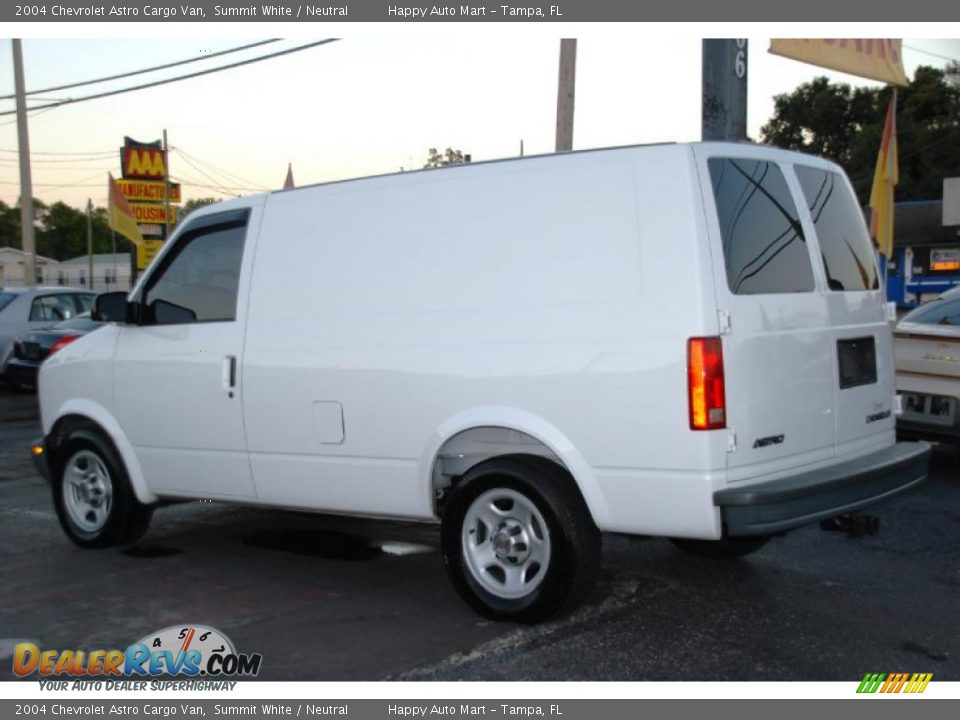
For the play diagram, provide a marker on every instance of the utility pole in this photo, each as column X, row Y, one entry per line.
column 90, row 239
column 724, row 91
column 26, row 183
column 166, row 188
column 566, row 87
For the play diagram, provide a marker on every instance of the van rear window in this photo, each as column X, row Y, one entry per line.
column 764, row 247
column 848, row 258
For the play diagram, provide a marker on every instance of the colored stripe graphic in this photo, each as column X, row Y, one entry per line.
column 894, row 682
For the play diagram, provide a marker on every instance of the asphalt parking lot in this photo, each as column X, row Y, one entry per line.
column 320, row 599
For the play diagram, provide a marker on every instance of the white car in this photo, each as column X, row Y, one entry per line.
column 486, row 346
column 927, row 351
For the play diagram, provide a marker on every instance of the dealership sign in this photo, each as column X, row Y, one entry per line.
column 150, row 213
column 143, row 161
column 148, row 191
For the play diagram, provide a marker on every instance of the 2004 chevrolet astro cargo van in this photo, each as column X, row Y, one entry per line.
column 679, row 340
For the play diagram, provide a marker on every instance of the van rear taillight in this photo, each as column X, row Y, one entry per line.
column 708, row 410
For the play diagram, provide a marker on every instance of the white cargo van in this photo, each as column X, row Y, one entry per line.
column 678, row 340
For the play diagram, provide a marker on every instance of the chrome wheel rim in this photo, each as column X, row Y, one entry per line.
column 87, row 491
column 506, row 543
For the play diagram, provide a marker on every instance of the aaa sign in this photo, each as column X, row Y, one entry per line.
column 144, row 162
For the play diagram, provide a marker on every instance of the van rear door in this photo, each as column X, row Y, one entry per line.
column 861, row 339
column 773, row 315
column 807, row 353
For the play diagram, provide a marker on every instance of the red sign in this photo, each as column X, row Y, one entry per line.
column 143, row 162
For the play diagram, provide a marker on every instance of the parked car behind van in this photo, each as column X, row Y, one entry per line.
column 36, row 308
column 485, row 346
column 32, row 348
column 927, row 344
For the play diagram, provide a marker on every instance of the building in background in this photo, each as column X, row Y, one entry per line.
column 926, row 253
column 110, row 272
column 13, row 267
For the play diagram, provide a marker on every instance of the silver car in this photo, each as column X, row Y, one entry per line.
column 26, row 309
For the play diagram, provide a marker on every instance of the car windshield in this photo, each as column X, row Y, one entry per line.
column 5, row 299
column 936, row 312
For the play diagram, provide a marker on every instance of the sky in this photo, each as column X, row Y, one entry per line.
column 373, row 102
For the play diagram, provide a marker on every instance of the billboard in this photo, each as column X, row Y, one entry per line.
column 148, row 190
column 143, row 161
column 875, row 58
column 146, row 252
column 153, row 214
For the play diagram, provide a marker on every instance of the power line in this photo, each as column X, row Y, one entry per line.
column 176, row 79
column 99, row 152
column 190, row 182
column 44, row 161
column 932, row 54
column 231, row 177
column 144, row 70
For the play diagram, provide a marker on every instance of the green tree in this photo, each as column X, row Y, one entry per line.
column 10, row 235
column 62, row 231
column 9, row 226
column 449, row 157
column 845, row 125
column 190, row 205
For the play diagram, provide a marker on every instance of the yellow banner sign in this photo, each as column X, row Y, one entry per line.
column 148, row 190
column 146, row 252
column 877, row 59
column 148, row 213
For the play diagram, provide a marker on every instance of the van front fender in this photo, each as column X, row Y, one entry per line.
column 86, row 409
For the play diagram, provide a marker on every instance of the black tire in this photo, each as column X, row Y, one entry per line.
column 729, row 548
column 124, row 519
column 573, row 543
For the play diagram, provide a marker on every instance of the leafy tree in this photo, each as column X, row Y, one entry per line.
column 9, row 226
column 190, row 205
column 953, row 73
column 10, row 235
column 845, row 125
column 449, row 157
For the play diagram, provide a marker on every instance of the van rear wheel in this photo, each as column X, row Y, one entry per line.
column 92, row 495
column 518, row 541
column 728, row 548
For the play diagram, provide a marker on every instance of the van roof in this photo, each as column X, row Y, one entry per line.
column 729, row 143
column 245, row 201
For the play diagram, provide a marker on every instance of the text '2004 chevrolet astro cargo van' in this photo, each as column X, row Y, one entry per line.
column 687, row 341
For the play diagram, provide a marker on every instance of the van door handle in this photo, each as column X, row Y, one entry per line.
column 228, row 375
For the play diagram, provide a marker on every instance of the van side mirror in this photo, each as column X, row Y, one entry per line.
column 110, row 307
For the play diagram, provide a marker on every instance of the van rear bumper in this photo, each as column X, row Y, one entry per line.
column 790, row 502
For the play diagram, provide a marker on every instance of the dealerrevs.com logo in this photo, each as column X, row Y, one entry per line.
column 180, row 650
column 888, row 683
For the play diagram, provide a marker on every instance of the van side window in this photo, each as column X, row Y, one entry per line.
column 199, row 279
column 764, row 247
column 848, row 258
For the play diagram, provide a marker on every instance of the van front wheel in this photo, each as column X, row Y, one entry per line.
column 92, row 495
column 518, row 541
